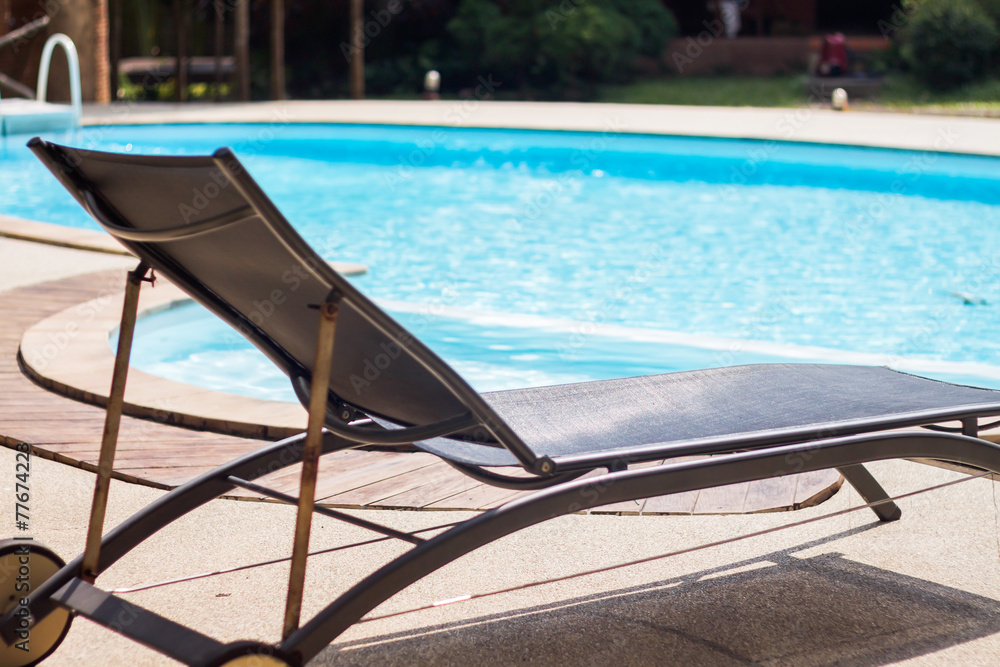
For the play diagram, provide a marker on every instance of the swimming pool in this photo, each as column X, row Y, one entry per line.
column 539, row 257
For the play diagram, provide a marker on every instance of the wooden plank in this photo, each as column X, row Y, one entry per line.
column 154, row 459
column 373, row 494
column 722, row 499
column 773, row 493
column 813, row 488
column 159, row 447
column 401, row 465
column 675, row 503
column 444, row 483
column 476, row 498
column 629, row 506
column 170, row 477
column 349, row 469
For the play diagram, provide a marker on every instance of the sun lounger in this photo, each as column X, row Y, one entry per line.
column 207, row 226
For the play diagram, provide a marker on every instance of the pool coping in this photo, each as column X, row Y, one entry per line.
column 59, row 235
column 94, row 241
column 810, row 125
column 69, row 353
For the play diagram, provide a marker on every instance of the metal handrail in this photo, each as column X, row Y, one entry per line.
column 73, row 62
column 25, row 31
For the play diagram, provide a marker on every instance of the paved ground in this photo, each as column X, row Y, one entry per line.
column 843, row 590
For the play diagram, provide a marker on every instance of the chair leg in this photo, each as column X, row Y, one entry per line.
column 113, row 414
column 310, row 464
column 872, row 492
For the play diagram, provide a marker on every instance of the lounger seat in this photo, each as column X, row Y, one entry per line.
column 202, row 222
column 708, row 411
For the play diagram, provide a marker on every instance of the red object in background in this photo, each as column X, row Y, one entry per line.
column 833, row 57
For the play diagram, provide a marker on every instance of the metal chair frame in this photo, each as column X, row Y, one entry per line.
column 558, row 491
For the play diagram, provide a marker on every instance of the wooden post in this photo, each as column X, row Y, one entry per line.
column 115, row 47
column 102, row 70
column 357, row 72
column 219, row 36
column 180, row 66
column 241, row 45
column 277, row 49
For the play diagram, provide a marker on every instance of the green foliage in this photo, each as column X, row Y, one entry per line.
column 949, row 43
column 992, row 9
column 491, row 41
column 656, row 24
column 391, row 75
column 593, row 43
column 563, row 48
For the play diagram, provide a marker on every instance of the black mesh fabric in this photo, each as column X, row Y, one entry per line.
column 717, row 409
column 247, row 274
column 252, row 275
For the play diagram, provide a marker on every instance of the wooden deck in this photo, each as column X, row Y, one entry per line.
column 164, row 456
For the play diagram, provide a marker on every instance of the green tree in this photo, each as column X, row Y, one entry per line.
column 560, row 49
column 949, row 43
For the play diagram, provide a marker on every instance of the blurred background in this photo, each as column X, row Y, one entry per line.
column 933, row 55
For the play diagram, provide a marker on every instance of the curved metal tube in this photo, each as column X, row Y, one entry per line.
column 515, row 483
column 72, row 61
column 623, row 486
column 958, row 429
column 402, row 436
column 96, row 210
column 170, row 507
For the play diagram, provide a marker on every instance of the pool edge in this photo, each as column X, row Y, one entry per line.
column 68, row 353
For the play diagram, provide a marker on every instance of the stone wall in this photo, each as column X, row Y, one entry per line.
column 706, row 54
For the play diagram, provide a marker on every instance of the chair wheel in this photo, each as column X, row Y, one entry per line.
column 252, row 654
column 24, row 566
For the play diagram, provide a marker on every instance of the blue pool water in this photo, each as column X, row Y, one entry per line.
column 539, row 257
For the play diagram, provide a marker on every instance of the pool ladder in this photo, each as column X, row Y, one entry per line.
column 39, row 107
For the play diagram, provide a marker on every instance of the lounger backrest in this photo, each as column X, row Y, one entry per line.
column 237, row 255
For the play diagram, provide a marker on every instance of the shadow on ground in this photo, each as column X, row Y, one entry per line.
column 777, row 610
